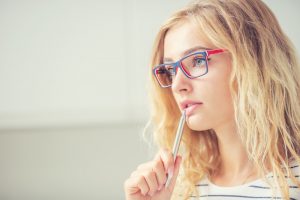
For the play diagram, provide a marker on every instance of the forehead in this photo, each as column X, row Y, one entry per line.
column 182, row 37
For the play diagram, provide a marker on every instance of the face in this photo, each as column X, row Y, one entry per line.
column 206, row 99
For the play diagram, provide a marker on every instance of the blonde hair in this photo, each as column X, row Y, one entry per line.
column 265, row 87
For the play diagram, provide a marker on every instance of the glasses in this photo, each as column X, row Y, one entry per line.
column 193, row 65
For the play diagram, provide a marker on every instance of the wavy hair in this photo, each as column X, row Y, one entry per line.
column 264, row 84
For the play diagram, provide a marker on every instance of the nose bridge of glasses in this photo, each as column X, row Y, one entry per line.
column 179, row 73
column 176, row 65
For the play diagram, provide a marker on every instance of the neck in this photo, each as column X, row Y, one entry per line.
column 235, row 164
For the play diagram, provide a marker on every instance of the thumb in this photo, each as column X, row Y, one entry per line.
column 176, row 172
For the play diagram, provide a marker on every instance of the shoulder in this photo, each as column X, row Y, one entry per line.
column 294, row 186
column 295, row 169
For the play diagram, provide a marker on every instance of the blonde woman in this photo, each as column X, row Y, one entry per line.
column 229, row 65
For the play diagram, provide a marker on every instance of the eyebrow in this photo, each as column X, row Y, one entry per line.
column 187, row 52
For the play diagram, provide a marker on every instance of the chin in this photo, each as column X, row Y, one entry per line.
column 195, row 123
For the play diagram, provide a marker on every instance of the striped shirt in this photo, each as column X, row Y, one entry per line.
column 257, row 189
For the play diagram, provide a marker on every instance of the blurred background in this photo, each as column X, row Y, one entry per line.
column 73, row 99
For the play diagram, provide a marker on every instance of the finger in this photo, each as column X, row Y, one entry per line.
column 150, row 177
column 140, row 172
column 144, row 166
column 142, row 185
column 141, row 169
column 167, row 158
column 161, row 176
column 157, row 166
column 135, row 185
column 176, row 172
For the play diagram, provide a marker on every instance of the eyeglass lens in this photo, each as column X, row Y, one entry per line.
column 193, row 66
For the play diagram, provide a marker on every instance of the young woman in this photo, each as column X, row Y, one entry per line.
column 229, row 65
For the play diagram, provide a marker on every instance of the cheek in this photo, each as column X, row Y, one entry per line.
column 217, row 109
column 218, row 84
column 220, row 95
column 218, row 105
column 176, row 98
column 217, row 96
column 220, row 100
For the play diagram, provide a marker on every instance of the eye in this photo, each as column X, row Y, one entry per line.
column 170, row 70
column 161, row 71
column 198, row 61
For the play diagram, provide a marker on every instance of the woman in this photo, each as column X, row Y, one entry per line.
column 228, row 64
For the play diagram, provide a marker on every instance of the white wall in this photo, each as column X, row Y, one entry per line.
column 76, row 62
column 72, row 92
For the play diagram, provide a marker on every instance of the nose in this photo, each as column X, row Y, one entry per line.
column 181, row 83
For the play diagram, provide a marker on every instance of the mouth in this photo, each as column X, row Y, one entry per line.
column 191, row 107
column 192, row 104
column 188, row 104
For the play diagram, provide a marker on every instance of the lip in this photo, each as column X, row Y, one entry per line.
column 189, row 106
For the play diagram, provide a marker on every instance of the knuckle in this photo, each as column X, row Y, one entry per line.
column 165, row 158
column 170, row 161
column 144, row 166
column 160, row 171
column 167, row 155
column 151, row 192
column 149, row 174
column 157, row 166
column 140, row 180
column 165, row 151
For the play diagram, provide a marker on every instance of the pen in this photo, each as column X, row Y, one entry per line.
column 177, row 142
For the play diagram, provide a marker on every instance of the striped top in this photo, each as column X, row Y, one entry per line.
column 257, row 189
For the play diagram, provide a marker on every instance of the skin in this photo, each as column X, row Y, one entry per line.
column 147, row 181
column 216, row 112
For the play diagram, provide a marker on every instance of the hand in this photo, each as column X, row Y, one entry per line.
column 147, row 182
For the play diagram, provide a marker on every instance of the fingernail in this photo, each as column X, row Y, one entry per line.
column 159, row 188
column 170, row 172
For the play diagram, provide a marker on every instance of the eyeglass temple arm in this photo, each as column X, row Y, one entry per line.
column 215, row 51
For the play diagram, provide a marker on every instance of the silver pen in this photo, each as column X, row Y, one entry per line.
column 177, row 142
